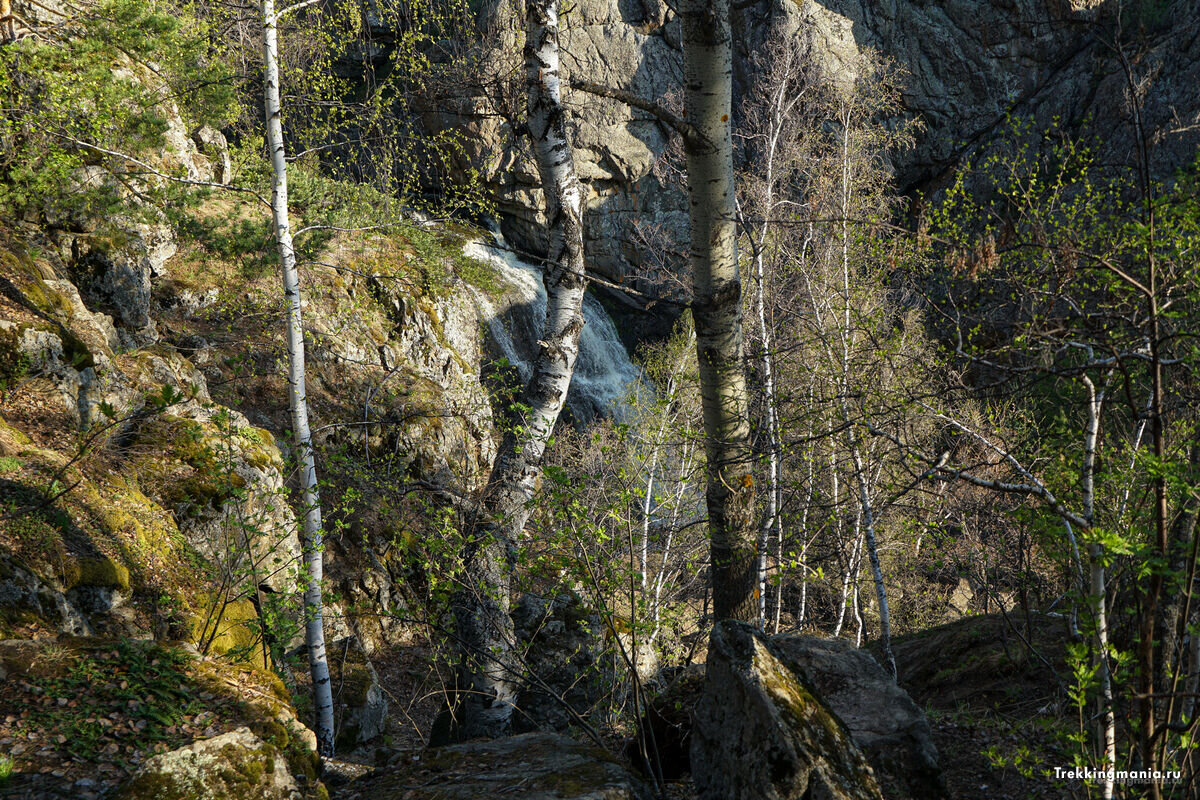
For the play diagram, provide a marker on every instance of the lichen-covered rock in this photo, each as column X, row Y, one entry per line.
column 533, row 766
column 762, row 733
column 884, row 721
column 213, row 145
column 24, row 594
column 233, row 766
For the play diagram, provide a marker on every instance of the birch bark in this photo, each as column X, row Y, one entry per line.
column 314, row 631
column 708, row 88
column 487, row 682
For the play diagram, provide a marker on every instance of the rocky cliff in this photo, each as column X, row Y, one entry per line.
column 144, row 451
column 967, row 67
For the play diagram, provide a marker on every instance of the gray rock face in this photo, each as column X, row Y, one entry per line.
column 361, row 704
column 233, row 766
column 762, row 733
column 212, row 145
column 969, row 63
column 23, row 590
column 885, row 722
column 562, row 645
column 533, row 766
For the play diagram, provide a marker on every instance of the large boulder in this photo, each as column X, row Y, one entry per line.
column 885, row 722
column 533, row 766
column 562, row 645
column 233, row 766
column 761, row 732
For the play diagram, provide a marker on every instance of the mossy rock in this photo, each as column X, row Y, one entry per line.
column 231, row 628
column 102, row 571
column 234, row 766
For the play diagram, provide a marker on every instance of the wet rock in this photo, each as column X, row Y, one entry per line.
column 762, row 732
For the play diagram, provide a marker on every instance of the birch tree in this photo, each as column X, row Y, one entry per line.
column 314, row 631
column 717, row 306
column 488, row 682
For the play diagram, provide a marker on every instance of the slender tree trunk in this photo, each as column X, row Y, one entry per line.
column 866, row 507
column 314, row 631
column 810, row 493
column 487, row 685
column 1098, row 589
column 868, row 511
column 708, row 85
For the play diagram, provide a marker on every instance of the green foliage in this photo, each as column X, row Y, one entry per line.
column 145, row 683
column 102, row 84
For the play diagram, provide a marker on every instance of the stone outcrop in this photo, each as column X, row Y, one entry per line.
column 562, row 644
column 883, row 720
column 532, row 766
column 761, row 732
column 233, row 766
column 362, row 705
column 966, row 66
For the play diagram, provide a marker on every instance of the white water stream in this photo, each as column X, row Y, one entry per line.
column 604, row 376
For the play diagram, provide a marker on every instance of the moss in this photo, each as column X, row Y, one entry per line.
column 841, row 762
column 231, row 628
column 12, row 438
column 582, row 778
column 258, row 448
column 239, row 774
column 96, row 571
column 181, row 459
column 31, row 281
column 120, row 509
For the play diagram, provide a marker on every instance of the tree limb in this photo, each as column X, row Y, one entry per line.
column 676, row 123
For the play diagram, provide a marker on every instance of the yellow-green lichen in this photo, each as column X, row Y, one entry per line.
column 229, row 627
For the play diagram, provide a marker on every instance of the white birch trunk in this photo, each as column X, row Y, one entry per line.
column 1099, row 587
column 810, row 491
column 487, row 685
column 864, row 493
column 314, row 632
column 868, row 511
column 771, row 521
column 717, row 308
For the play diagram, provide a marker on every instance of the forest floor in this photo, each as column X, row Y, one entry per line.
column 993, row 705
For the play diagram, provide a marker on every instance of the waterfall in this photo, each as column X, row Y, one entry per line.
column 604, row 376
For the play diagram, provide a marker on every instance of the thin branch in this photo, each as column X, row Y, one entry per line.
column 294, row 8
column 153, row 171
column 677, row 123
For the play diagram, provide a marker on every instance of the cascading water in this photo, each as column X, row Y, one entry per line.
column 604, row 376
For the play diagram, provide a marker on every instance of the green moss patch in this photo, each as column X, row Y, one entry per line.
column 99, row 708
